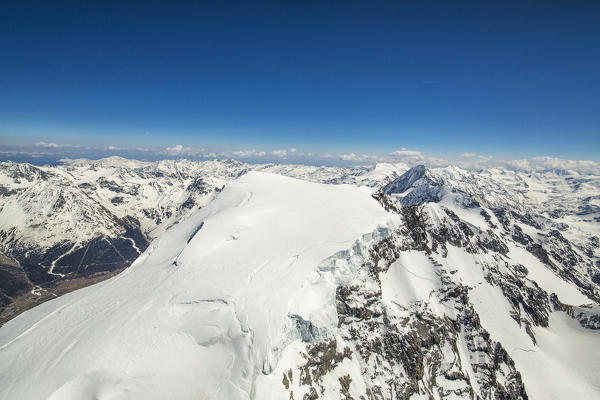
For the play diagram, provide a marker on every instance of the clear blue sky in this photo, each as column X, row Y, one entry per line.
column 512, row 79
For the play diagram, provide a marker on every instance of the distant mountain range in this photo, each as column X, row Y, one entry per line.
column 291, row 281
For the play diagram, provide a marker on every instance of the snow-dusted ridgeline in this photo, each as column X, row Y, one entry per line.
column 442, row 283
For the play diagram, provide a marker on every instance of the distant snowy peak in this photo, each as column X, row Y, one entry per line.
column 20, row 173
column 507, row 209
column 415, row 186
column 420, row 185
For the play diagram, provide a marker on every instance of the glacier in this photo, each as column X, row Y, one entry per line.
column 383, row 283
column 198, row 319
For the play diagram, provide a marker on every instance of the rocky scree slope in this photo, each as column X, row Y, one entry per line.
column 477, row 294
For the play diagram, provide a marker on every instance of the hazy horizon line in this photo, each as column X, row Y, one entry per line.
column 50, row 153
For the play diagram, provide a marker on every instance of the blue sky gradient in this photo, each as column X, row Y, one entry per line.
column 505, row 79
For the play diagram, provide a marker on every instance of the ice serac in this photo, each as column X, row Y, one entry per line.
column 202, row 312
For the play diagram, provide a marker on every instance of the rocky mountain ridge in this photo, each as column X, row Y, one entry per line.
column 481, row 284
column 452, row 304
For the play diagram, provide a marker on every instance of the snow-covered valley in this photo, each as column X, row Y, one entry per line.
column 325, row 283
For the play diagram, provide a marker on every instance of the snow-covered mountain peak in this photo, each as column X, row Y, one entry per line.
column 415, row 186
column 213, row 294
column 261, row 282
column 408, row 179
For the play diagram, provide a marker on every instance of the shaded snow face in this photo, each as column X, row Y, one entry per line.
column 202, row 311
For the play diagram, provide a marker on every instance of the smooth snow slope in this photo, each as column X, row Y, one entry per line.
column 200, row 314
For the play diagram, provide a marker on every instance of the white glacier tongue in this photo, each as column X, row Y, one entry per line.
column 199, row 314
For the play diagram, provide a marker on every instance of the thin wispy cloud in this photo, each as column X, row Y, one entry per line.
column 279, row 153
column 180, row 150
column 49, row 145
column 406, row 153
column 357, row 157
column 247, row 153
column 175, row 149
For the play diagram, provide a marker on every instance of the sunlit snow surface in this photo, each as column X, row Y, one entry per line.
column 205, row 312
column 194, row 317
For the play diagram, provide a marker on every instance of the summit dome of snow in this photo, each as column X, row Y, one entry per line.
column 204, row 309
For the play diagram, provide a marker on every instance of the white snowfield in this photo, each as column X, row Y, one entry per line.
column 205, row 310
column 217, row 306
